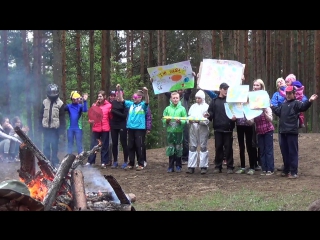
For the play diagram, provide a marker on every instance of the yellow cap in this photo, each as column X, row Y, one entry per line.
column 74, row 95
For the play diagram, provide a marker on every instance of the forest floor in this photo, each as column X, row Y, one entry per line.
column 153, row 184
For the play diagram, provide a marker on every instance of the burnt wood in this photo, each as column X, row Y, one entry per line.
column 27, row 162
column 44, row 164
column 108, row 206
column 78, row 190
column 58, row 181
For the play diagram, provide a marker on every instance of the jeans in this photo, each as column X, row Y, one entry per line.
column 77, row 134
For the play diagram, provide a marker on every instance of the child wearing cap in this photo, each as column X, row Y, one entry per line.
column 74, row 123
column 288, row 112
column 299, row 88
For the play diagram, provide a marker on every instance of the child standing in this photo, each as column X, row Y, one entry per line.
column 299, row 88
column 264, row 130
column 288, row 113
column 174, row 131
column 136, row 125
column 74, row 125
column 199, row 132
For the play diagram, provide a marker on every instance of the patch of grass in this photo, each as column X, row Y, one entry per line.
column 241, row 200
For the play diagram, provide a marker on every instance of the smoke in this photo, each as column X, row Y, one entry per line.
column 94, row 181
column 9, row 170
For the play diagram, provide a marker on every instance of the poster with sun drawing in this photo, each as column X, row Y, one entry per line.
column 171, row 77
column 216, row 71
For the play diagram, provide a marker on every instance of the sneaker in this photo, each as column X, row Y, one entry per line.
column 263, row 173
column 145, row 163
column 170, row 170
column 124, row 165
column 128, row 167
column 203, row 170
column 103, row 166
column 229, row 171
column 190, row 170
column 178, row 169
column 292, row 176
column 114, row 165
column 87, row 164
column 139, row 168
column 241, row 171
column 258, row 168
column 184, row 162
column 283, row 174
column 269, row 173
column 217, row 170
column 250, row 171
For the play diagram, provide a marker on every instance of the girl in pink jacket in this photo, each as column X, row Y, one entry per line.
column 100, row 130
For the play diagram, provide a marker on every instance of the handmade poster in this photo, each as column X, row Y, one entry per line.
column 199, row 76
column 234, row 109
column 171, row 77
column 259, row 99
column 250, row 113
column 95, row 113
column 216, row 71
column 238, row 93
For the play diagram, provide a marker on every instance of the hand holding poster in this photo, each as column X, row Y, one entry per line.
column 216, row 71
column 171, row 77
column 250, row 113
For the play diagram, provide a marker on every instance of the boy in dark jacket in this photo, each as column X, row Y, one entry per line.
column 288, row 113
column 223, row 128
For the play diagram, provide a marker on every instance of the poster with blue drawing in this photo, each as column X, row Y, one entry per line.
column 216, row 71
column 171, row 77
column 234, row 109
column 238, row 93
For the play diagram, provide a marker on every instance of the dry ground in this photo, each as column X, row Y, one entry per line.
column 154, row 184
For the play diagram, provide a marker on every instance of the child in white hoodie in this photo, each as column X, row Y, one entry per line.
column 199, row 133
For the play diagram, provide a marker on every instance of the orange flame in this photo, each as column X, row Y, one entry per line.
column 38, row 190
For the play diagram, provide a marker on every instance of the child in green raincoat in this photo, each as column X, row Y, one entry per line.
column 174, row 131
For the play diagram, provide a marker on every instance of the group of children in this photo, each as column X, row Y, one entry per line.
column 289, row 110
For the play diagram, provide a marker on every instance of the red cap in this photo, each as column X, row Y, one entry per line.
column 289, row 89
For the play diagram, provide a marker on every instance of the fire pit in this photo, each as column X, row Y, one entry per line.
column 63, row 189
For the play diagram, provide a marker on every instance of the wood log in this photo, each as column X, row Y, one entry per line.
column 44, row 164
column 85, row 154
column 108, row 206
column 58, row 181
column 78, row 190
column 27, row 163
column 105, row 196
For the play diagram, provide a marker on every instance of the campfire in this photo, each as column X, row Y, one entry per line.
column 63, row 189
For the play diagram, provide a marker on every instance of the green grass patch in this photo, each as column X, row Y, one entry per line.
column 241, row 200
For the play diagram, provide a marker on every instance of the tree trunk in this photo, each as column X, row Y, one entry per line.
column 64, row 66
column 103, row 59
column 78, row 61
column 91, row 52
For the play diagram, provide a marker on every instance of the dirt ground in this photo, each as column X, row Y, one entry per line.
column 154, row 184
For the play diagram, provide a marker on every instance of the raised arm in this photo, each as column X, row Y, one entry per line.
column 118, row 87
